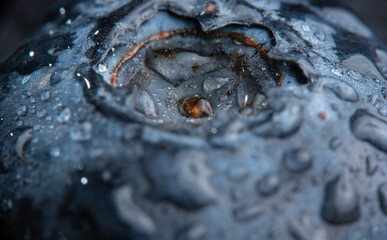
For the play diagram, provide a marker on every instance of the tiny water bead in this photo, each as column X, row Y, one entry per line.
column 84, row 180
column 195, row 107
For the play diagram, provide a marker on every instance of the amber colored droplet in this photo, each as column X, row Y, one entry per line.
column 210, row 7
column 195, row 107
column 322, row 116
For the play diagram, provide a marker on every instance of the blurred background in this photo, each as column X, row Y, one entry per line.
column 19, row 18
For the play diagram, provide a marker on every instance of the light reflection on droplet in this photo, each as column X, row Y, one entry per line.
column 62, row 11
column 84, row 180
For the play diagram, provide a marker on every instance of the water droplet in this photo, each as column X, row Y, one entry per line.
column 55, row 152
column 146, row 105
column 84, row 180
column 31, row 53
column 45, row 95
column 375, row 79
column 195, row 107
column 192, row 232
column 382, row 195
column 212, row 84
column 41, row 113
column 320, row 35
column 130, row 213
column 102, row 68
column 362, row 66
column 246, row 92
column 237, row 173
column 22, row 140
column 338, row 71
column 57, row 77
column 298, row 160
column 341, row 203
column 186, row 184
column 268, row 185
column 384, row 93
column 22, row 110
column 306, row 27
column 373, row 99
column 282, row 124
column 82, row 132
column 355, row 75
column 247, row 212
column 64, row 115
column 260, row 103
column 368, row 128
column 335, row 143
column 371, row 167
column 342, row 90
column 62, row 11
column 26, row 79
column 26, row 94
column 68, row 22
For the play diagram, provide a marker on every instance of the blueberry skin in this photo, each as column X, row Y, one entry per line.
column 81, row 158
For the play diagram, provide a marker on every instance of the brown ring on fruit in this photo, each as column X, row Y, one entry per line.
column 214, row 34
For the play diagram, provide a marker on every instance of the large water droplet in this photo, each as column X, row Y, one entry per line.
column 282, row 124
column 130, row 213
column 212, row 84
column 368, row 128
column 342, row 90
column 22, row 110
column 382, row 195
column 64, row 115
column 247, row 90
column 146, row 105
column 268, row 185
column 185, row 183
column 341, row 202
column 247, row 212
column 298, row 160
column 177, row 67
column 320, row 35
column 45, row 95
column 361, row 65
column 195, row 107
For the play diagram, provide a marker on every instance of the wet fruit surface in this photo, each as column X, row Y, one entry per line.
column 224, row 120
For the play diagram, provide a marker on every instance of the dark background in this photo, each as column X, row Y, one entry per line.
column 19, row 18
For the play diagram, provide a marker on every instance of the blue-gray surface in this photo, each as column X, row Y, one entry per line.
column 83, row 159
